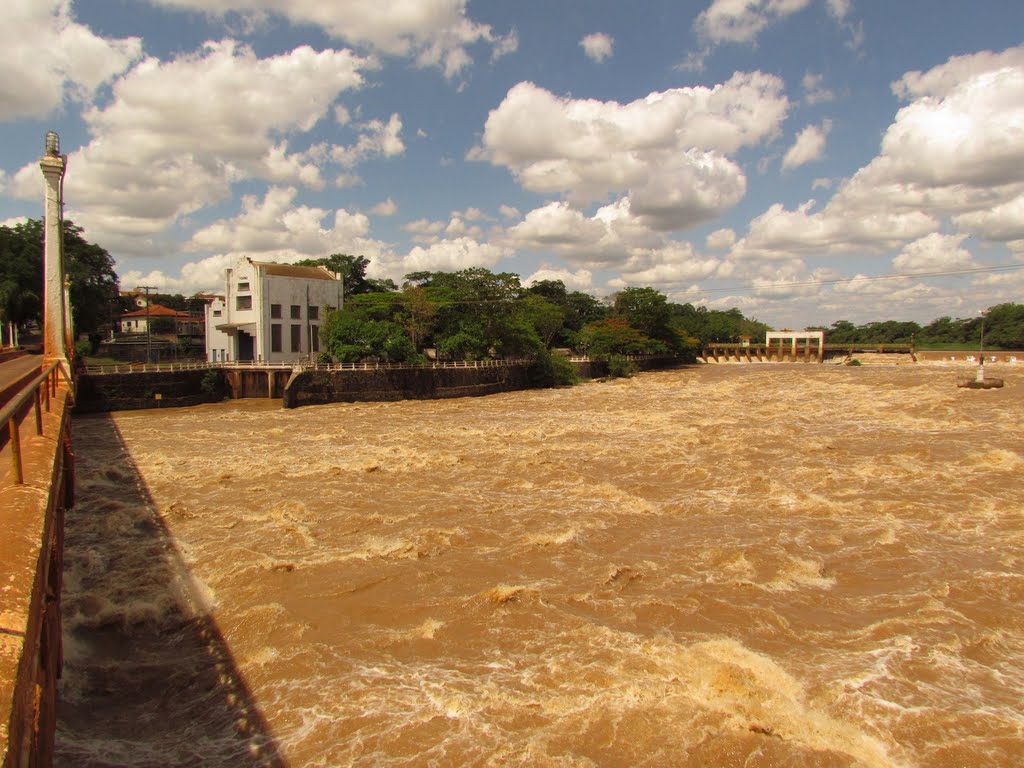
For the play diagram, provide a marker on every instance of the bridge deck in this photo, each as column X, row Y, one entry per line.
column 15, row 372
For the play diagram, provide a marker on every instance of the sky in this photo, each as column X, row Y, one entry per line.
column 804, row 161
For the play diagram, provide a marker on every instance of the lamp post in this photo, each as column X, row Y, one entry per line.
column 56, row 313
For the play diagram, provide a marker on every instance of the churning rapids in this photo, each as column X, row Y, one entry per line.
column 723, row 566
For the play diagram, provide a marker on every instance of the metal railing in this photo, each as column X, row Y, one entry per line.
column 193, row 365
column 312, row 365
column 11, row 412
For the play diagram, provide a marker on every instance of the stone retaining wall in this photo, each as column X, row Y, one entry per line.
column 320, row 387
column 133, row 391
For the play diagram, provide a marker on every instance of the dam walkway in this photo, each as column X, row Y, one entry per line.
column 36, row 487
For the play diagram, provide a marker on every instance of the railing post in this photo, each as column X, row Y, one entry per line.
column 15, row 437
column 39, row 413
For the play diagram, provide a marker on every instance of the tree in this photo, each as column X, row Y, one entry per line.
column 1004, row 326
column 648, row 311
column 351, row 338
column 88, row 267
column 353, row 273
column 545, row 317
column 417, row 314
column 477, row 313
column 552, row 290
column 615, row 336
column 582, row 308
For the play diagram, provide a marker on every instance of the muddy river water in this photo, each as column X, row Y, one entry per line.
column 735, row 565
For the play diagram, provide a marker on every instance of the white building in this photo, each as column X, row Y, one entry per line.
column 270, row 312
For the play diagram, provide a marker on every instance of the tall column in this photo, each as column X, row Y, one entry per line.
column 55, row 316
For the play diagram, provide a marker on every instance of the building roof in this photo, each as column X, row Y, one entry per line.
column 155, row 310
column 293, row 270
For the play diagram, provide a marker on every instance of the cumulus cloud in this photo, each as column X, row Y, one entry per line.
column 934, row 253
column 278, row 229
column 668, row 151
column 741, row 21
column 954, row 151
column 779, row 234
column 46, row 56
column 814, row 91
column 808, row 147
column 1003, row 222
column 177, row 135
column 720, row 239
column 598, row 46
column 377, row 138
column 580, row 280
column 668, row 267
column 450, row 255
column 434, row 33
column 385, row 208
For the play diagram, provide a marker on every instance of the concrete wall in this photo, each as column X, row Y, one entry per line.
column 256, row 383
column 31, row 550
column 319, row 387
column 132, row 391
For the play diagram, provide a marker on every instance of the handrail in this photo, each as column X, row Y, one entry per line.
column 11, row 409
column 307, row 365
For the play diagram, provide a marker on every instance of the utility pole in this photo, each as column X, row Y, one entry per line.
column 149, row 331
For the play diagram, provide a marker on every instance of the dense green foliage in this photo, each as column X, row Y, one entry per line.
column 1003, row 325
column 353, row 273
column 88, row 267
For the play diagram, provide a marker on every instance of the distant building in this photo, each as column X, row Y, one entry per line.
column 140, row 320
column 270, row 312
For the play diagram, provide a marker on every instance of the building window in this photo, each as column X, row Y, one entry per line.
column 296, row 338
column 296, row 312
column 243, row 302
column 314, row 331
column 275, row 337
column 243, row 286
column 275, row 311
column 312, row 313
column 216, row 313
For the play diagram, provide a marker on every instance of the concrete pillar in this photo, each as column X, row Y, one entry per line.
column 55, row 317
column 69, row 331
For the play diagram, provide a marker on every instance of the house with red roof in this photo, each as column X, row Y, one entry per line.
column 155, row 317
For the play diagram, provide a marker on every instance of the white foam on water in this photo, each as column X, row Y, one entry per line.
column 620, row 574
